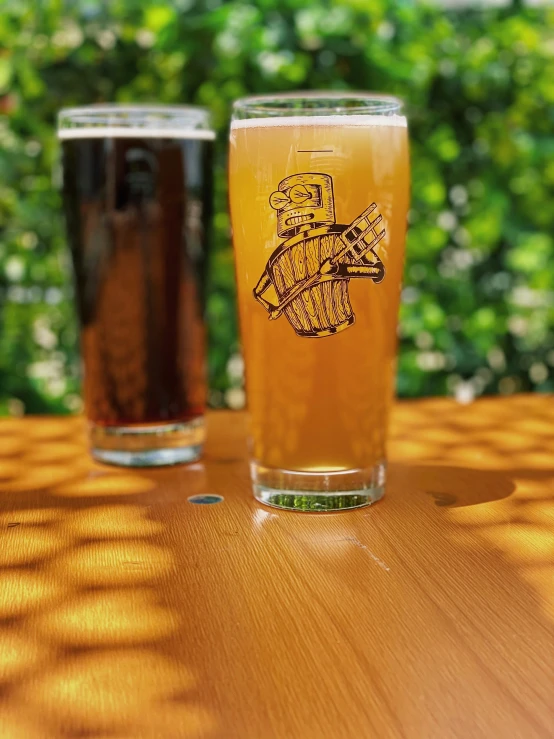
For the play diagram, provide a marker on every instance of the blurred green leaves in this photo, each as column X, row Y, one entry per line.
column 478, row 302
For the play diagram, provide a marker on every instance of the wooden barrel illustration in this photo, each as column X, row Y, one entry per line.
column 323, row 309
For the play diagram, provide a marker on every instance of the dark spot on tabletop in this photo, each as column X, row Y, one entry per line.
column 205, row 499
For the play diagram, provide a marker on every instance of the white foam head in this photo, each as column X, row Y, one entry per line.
column 135, row 121
column 114, row 132
column 356, row 120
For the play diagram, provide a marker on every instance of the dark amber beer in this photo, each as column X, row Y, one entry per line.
column 137, row 197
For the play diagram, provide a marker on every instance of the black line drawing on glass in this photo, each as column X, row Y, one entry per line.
column 310, row 271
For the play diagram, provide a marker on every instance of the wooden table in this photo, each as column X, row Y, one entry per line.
column 127, row 611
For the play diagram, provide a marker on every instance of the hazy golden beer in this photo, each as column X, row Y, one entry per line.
column 318, row 307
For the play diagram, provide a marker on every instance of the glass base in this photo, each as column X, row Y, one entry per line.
column 318, row 491
column 150, row 445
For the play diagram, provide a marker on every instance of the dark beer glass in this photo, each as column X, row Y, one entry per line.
column 137, row 199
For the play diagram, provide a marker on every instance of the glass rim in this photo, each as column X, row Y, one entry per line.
column 121, row 119
column 369, row 103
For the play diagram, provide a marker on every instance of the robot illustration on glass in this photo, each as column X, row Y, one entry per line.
column 310, row 271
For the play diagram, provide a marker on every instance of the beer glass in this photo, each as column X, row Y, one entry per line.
column 137, row 199
column 319, row 193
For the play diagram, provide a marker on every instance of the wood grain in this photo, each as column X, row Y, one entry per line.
column 126, row 611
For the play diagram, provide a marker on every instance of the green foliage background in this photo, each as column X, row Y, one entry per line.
column 478, row 303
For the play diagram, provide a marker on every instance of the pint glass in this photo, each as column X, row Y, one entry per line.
column 137, row 198
column 319, row 193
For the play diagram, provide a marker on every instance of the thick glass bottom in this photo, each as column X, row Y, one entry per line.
column 150, row 445
column 318, row 491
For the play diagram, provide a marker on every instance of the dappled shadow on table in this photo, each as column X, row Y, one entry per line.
column 101, row 601
column 84, row 621
column 446, row 580
column 498, row 463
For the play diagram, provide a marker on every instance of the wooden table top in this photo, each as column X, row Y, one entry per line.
column 128, row 612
